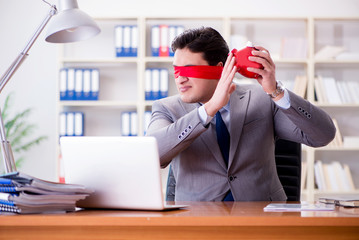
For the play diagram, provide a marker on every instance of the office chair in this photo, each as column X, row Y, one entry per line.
column 288, row 157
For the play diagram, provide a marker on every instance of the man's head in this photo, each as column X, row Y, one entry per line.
column 198, row 47
column 203, row 40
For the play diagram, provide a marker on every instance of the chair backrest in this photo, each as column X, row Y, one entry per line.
column 288, row 156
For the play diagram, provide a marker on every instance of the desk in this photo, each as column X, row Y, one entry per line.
column 201, row 220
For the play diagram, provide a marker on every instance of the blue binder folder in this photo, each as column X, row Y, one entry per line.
column 78, row 84
column 129, row 123
column 63, row 84
column 134, row 41
column 155, row 40
column 163, row 83
column 71, row 84
column 95, row 84
column 119, row 41
column 71, row 124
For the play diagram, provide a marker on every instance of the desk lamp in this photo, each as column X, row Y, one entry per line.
column 70, row 25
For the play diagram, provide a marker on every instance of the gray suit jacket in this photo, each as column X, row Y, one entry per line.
column 255, row 122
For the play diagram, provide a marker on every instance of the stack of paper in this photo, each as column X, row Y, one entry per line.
column 329, row 52
column 20, row 193
column 297, row 207
column 345, row 201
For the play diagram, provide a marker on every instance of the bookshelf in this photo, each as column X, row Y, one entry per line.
column 122, row 79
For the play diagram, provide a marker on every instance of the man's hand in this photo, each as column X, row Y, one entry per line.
column 224, row 88
column 267, row 74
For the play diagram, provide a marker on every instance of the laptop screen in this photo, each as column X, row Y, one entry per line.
column 124, row 172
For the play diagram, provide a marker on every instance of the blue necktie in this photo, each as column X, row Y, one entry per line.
column 223, row 140
column 222, row 137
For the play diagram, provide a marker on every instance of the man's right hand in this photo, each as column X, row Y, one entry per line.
column 224, row 89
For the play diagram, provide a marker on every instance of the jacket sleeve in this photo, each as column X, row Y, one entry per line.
column 308, row 124
column 173, row 132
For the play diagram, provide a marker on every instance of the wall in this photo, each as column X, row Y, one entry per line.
column 219, row 8
column 34, row 82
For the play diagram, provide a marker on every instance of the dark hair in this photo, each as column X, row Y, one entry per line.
column 204, row 40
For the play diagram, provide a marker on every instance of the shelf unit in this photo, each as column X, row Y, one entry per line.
column 122, row 79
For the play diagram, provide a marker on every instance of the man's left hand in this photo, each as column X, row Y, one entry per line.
column 266, row 75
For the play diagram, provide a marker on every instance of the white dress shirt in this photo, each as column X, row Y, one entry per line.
column 284, row 103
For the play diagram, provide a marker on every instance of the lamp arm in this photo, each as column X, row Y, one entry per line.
column 5, row 145
column 21, row 57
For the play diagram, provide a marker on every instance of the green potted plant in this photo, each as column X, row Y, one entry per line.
column 19, row 132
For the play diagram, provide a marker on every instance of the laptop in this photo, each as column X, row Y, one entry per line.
column 124, row 172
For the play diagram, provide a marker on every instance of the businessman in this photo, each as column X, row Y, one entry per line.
column 218, row 137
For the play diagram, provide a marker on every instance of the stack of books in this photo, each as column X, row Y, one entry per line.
column 329, row 90
column 21, row 193
column 338, row 139
column 298, row 85
column 333, row 176
column 329, row 52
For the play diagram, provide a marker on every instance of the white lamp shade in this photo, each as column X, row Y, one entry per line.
column 71, row 25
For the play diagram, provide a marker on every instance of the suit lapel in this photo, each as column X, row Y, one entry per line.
column 238, row 110
column 208, row 137
column 210, row 140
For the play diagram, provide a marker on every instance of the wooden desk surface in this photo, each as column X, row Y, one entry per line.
column 201, row 220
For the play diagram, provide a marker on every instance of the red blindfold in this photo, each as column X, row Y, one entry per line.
column 200, row 71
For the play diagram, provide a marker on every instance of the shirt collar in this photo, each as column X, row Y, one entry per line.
column 226, row 107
